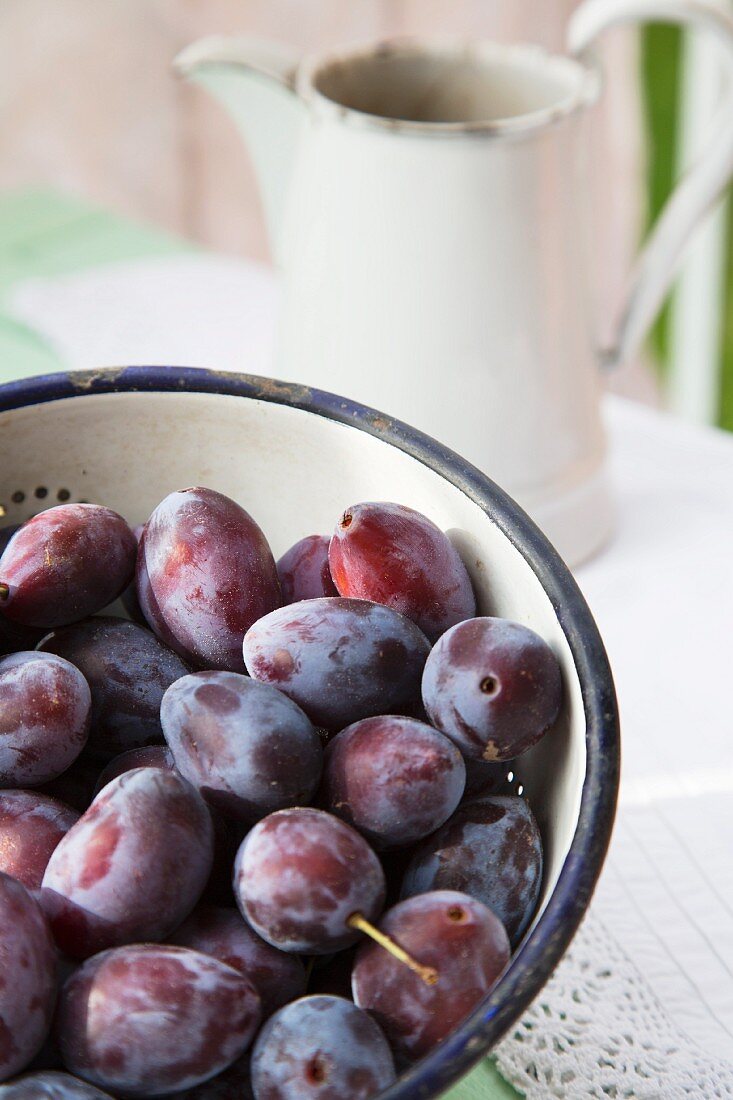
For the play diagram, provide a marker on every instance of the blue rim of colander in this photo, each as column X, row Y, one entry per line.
column 545, row 945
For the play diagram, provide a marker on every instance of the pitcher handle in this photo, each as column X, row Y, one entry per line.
column 698, row 189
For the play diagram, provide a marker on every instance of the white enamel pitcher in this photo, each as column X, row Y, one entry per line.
column 427, row 204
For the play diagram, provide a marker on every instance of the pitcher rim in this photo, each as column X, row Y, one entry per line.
column 586, row 92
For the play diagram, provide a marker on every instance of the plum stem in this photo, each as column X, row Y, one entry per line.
column 4, row 592
column 426, row 973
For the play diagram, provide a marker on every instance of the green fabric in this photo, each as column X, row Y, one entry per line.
column 483, row 1083
column 661, row 71
column 45, row 234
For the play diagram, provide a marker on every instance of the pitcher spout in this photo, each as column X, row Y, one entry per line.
column 255, row 82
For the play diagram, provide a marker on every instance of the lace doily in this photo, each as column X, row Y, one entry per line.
column 597, row 1030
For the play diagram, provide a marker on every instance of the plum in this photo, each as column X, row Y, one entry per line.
column 44, row 719
column 31, row 826
column 13, row 636
column 450, row 931
column 491, row 849
column 205, row 573
column 339, row 659
column 64, row 564
column 300, row 875
column 324, row 1048
column 393, row 778
column 150, row 1019
column 128, row 669
column 148, row 756
column 133, row 866
column 223, row 933
column 50, row 1085
column 493, row 686
column 304, row 572
column 396, row 556
column 248, row 748
column 28, row 977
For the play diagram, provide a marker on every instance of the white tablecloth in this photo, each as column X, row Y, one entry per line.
column 643, row 1004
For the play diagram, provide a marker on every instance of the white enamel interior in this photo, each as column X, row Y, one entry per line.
column 295, row 472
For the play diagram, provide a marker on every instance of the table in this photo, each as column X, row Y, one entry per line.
column 646, row 993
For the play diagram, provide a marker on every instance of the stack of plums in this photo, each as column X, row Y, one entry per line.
column 258, row 835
